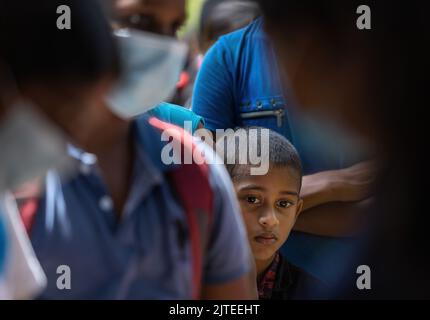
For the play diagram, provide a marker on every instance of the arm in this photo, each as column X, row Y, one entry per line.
column 335, row 219
column 345, row 185
column 335, row 201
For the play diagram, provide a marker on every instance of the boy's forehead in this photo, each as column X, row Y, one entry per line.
column 277, row 178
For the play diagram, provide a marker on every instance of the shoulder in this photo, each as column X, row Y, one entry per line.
column 232, row 45
column 250, row 32
column 297, row 283
column 149, row 133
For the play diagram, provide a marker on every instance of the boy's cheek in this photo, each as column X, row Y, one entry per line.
column 285, row 227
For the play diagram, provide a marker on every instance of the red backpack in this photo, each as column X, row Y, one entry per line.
column 191, row 184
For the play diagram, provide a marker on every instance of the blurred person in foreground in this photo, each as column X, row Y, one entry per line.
column 372, row 81
column 30, row 145
column 122, row 223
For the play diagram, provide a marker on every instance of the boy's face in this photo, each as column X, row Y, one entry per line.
column 270, row 205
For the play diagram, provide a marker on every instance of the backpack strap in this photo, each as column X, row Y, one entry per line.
column 191, row 183
column 28, row 211
column 27, row 200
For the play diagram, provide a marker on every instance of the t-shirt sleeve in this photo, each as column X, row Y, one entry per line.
column 229, row 256
column 177, row 115
column 213, row 96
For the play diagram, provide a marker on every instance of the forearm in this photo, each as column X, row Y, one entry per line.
column 351, row 184
column 336, row 219
column 316, row 190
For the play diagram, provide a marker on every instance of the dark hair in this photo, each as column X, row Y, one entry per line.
column 281, row 153
column 220, row 17
column 36, row 50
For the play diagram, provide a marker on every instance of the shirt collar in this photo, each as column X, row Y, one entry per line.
column 267, row 281
column 146, row 174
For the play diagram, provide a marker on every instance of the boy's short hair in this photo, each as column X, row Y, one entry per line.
column 281, row 153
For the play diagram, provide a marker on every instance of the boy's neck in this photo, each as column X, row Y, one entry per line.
column 263, row 265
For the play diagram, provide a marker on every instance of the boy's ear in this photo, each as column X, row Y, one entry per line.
column 299, row 207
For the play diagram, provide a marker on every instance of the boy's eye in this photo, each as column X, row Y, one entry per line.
column 284, row 204
column 252, row 200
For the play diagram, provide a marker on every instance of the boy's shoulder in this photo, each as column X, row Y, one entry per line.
column 295, row 283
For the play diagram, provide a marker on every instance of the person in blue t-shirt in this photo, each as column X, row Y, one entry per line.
column 239, row 85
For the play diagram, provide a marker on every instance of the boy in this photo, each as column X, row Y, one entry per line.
column 270, row 205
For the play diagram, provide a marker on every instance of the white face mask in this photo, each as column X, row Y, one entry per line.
column 152, row 66
column 30, row 146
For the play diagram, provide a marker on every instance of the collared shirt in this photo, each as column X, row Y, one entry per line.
column 267, row 281
column 140, row 256
column 284, row 281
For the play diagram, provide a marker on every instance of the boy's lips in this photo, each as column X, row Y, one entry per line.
column 266, row 238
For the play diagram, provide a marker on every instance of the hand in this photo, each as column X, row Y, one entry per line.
column 353, row 183
column 344, row 185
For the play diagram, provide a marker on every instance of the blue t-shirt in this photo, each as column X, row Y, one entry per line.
column 239, row 85
column 176, row 115
column 145, row 255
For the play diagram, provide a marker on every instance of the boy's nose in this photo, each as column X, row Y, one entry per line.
column 268, row 220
